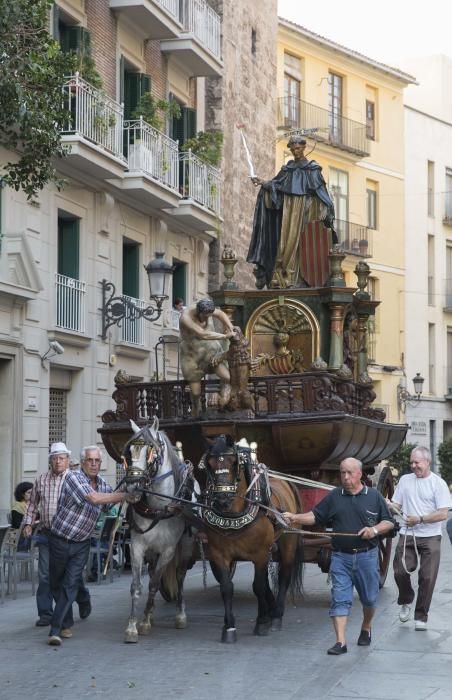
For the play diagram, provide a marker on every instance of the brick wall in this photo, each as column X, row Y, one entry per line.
column 102, row 27
column 245, row 95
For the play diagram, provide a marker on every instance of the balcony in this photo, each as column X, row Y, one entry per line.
column 93, row 132
column 153, row 158
column 70, row 303
column 354, row 239
column 159, row 19
column 333, row 130
column 200, row 189
column 199, row 45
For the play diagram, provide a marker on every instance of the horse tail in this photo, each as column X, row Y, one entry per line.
column 168, row 581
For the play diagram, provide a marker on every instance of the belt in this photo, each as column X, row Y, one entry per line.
column 66, row 539
column 356, row 550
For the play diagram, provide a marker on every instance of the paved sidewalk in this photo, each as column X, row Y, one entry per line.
column 193, row 664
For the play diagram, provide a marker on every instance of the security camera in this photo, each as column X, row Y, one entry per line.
column 56, row 347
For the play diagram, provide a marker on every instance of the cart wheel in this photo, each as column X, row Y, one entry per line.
column 386, row 487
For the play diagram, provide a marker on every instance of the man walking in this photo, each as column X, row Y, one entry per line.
column 83, row 494
column 354, row 508
column 423, row 499
column 41, row 510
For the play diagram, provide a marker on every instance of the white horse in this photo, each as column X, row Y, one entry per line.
column 158, row 535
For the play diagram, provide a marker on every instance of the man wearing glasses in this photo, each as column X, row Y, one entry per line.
column 83, row 495
column 41, row 511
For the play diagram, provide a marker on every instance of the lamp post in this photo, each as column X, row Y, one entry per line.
column 403, row 395
column 116, row 307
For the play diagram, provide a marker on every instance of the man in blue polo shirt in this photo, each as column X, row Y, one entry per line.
column 82, row 496
column 352, row 508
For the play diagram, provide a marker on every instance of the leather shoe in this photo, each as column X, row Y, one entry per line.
column 66, row 633
column 84, row 610
column 42, row 622
column 337, row 649
column 364, row 638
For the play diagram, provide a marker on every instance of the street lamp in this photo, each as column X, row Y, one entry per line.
column 403, row 395
column 116, row 308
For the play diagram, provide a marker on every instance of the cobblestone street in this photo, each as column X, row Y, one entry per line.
column 192, row 663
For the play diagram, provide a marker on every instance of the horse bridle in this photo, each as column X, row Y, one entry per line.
column 154, row 458
column 241, row 456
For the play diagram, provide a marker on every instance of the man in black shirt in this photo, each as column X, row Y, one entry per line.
column 354, row 508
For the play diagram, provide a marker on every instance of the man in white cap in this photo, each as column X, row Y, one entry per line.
column 41, row 510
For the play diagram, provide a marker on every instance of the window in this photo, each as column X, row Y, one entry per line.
column 370, row 120
column 430, row 188
column 253, row 42
column 449, row 361
column 431, row 358
column 335, row 90
column 291, row 102
column 448, row 197
column 371, row 199
column 133, row 86
column 431, row 270
column 180, row 280
column 68, row 245
column 339, row 191
column 130, row 268
column 448, row 301
column 184, row 127
column 57, row 415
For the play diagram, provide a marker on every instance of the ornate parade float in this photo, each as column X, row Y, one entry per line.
column 300, row 388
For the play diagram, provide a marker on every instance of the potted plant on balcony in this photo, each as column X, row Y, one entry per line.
column 363, row 246
column 207, row 145
column 152, row 110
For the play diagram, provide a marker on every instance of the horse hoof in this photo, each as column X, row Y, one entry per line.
column 276, row 624
column 130, row 639
column 229, row 635
column 262, row 629
column 180, row 623
column 144, row 628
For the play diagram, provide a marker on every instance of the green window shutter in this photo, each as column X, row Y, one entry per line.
column 180, row 281
column 135, row 85
column 189, row 117
column 68, row 247
column 130, row 263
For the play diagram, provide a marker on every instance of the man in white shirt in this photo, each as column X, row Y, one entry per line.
column 423, row 499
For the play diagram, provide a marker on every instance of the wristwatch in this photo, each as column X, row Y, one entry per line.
column 376, row 533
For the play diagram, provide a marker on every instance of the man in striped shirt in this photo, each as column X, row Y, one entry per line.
column 41, row 510
column 83, row 495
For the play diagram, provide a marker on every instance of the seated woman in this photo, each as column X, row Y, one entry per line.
column 22, row 495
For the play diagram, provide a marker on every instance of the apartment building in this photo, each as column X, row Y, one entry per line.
column 354, row 105
column 428, row 294
column 131, row 191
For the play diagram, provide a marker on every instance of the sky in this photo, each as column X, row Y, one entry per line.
column 385, row 30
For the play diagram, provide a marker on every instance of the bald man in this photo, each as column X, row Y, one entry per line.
column 359, row 510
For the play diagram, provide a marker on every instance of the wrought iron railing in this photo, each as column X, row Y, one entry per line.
column 354, row 239
column 272, row 396
column 201, row 20
column 150, row 151
column 70, row 303
column 200, row 181
column 333, row 129
column 171, row 6
column 132, row 328
column 93, row 115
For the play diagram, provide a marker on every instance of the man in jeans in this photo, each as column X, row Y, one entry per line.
column 361, row 511
column 83, row 495
column 41, row 510
column 423, row 499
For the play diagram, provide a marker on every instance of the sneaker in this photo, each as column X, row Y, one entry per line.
column 84, row 610
column 54, row 640
column 42, row 622
column 364, row 638
column 66, row 633
column 420, row 625
column 404, row 614
column 337, row 649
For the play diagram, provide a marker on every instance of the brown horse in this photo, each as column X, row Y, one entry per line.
column 241, row 527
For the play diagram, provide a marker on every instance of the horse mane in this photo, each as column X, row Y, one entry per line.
column 174, row 460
